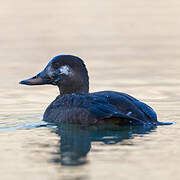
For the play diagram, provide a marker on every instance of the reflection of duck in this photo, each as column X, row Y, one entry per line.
column 75, row 140
column 76, row 105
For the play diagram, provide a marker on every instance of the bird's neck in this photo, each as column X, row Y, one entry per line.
column 78, row 88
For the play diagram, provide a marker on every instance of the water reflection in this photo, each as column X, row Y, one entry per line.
column 75, row 140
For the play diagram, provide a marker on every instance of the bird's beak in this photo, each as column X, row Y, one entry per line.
column 39, row 79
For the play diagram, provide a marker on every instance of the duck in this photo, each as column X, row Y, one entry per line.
column 76, row 105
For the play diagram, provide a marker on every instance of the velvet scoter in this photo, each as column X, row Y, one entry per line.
column 76, row 105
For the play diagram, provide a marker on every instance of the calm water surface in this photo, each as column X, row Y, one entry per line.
column 127, row 46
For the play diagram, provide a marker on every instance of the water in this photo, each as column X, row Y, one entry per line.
column 128, row 46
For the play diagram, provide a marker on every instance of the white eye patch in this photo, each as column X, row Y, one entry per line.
column 65, row 70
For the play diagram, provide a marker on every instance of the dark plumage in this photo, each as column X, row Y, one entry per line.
column 76, row 105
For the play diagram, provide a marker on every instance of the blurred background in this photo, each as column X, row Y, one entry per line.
column 129, row 46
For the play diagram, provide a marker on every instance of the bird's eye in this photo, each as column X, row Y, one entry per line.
column 55, row 65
